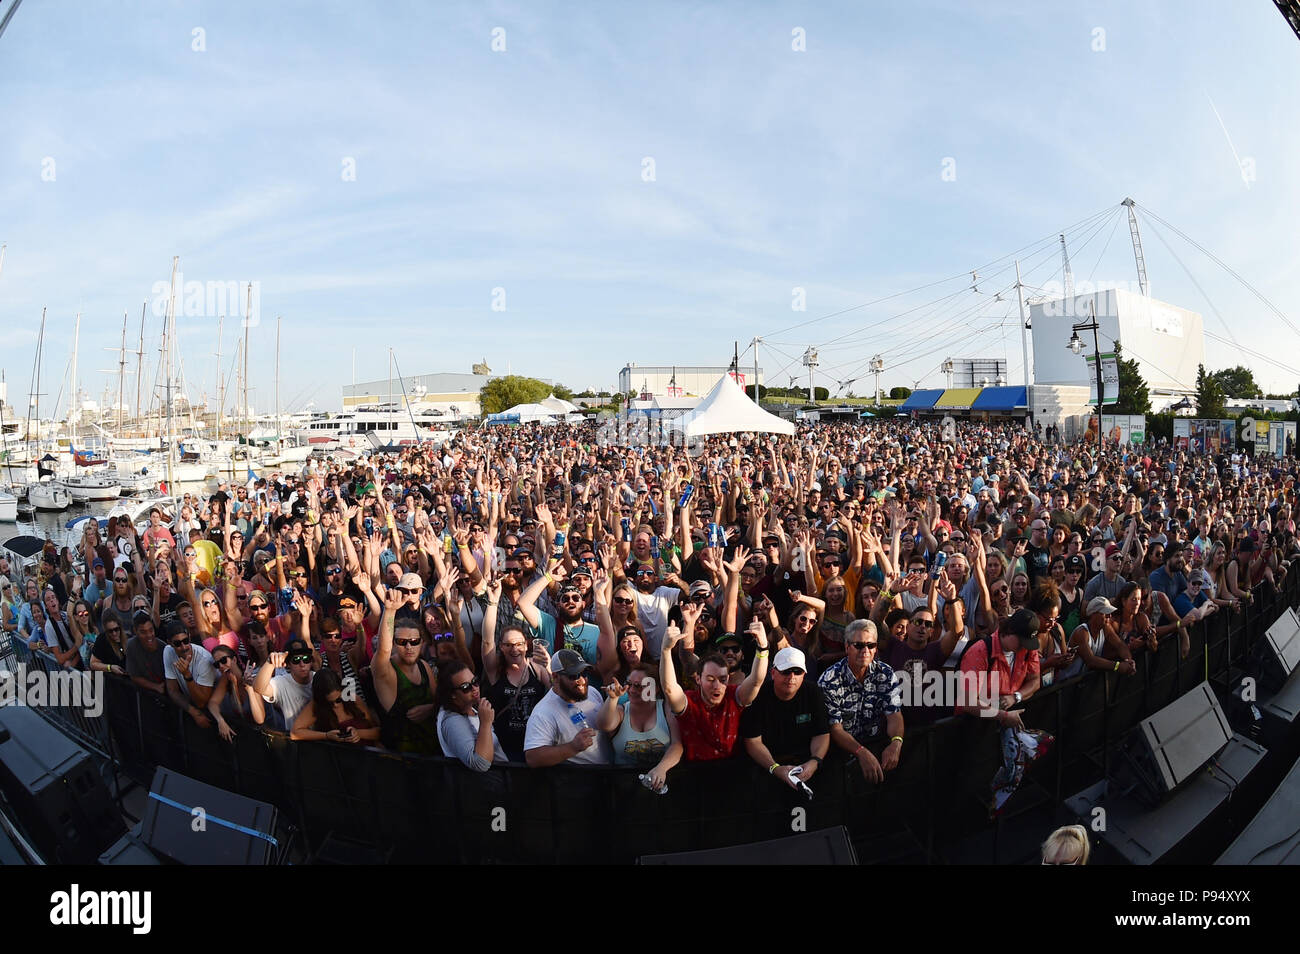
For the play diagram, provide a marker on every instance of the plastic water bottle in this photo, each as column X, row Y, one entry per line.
column 648, row 783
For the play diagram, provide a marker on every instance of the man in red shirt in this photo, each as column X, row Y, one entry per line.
column 709, row 717
column 1015, row 663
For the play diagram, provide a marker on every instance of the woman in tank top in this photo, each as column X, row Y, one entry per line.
column 644, row 733
column 514, row 681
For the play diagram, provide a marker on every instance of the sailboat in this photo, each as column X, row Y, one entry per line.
column 47, row 493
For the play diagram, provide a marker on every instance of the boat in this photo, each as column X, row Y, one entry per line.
column 49, row 495
column 8, row 507
column 137, row 483
column 102, row 485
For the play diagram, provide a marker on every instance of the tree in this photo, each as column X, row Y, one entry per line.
column 897, row 393
column 762, row 391
column 561, row 392
column 505, row 392
column 1238, row 382
column 1134, row 397
column 822, row 394
column 1209, row 395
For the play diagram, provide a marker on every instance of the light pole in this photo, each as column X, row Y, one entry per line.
column 1076, row 345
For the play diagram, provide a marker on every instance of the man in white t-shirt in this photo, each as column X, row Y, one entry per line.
column 189, row 672
column 288, row 692
column 653, row 603
column 562, row 726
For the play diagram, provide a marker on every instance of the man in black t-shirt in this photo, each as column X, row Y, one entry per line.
column 787, row 726
column 1037, row 556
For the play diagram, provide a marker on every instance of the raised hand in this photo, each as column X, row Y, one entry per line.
column 276, row 660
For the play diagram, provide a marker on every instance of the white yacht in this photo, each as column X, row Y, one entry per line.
column 49, row 495
column 376, row 426
column 8, row 507
column 98, row 485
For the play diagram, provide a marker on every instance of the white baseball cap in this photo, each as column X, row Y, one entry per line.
column 789, row 658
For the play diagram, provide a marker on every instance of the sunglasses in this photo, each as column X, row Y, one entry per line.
column 441, row 637
column 571, row 598
column 178, row 643
column 466, row 686
column 112, row 629
column 862, row 646
column 222, row 660
column 789, row 673
column 414, row 641
column 334, row 572
column 257, row 606
column 924, row 622
column 298, row 659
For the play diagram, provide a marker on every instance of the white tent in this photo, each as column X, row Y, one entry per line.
column 561, row 405
column 726, row 410
column 525, row 414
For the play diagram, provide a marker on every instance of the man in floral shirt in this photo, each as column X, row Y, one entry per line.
column 863, row 701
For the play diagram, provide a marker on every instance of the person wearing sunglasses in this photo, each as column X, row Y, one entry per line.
column 109, row 652
column 788, row 725
column 189, row 673
column 285, row 681
column 561, row 727
column 567, row 628
column 333, row 715
column 863, row 697
column 233, row 697
column 644, row 734
column 404, row 683
column 465, row 719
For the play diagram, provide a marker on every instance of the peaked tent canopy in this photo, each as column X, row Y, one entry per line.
column 561, row 405
column 726, row 410
column 525, row 414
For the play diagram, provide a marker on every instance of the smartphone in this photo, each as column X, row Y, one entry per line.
column 369, row 524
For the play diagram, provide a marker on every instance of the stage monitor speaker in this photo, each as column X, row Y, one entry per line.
column 193, row 823
column 828, row 846
column 55, row 789
column 1278, row 653
column 1171, row 746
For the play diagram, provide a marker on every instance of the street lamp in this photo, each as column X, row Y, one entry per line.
column 1076, row 345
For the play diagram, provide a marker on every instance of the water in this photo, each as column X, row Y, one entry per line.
column 45, row 524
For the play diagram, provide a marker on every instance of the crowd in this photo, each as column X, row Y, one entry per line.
column 533, row 596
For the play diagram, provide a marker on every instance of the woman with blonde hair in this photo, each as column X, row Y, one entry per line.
column 1067, row 845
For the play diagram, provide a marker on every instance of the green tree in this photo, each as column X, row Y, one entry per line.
column 1238, row 382
column 505, row 392
column 561, row 392
column 897, row 393
column 1134, row 396
column 1209, row 395
column 762, row 391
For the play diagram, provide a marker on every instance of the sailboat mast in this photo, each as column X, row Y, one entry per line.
column 277, row 381
column 169, row 329
column 248, row 317
column 121, row 373
column 73, row 403
column 139, row 371
column 34, row 394
column 220, row 321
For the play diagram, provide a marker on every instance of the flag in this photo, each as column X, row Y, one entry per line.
column 252, row 476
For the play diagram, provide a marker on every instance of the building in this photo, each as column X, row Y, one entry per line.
column 1166, row 341
column 444, row 391
column 678, row 380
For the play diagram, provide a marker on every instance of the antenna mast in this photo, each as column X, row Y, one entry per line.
column 1137, row 248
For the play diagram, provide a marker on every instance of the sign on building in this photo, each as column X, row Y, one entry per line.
column 1124, row 428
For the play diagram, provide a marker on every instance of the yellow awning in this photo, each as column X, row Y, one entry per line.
column 957, row 399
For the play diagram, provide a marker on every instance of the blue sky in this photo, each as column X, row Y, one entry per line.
column 774, row 169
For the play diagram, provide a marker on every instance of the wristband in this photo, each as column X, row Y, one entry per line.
column 858, row 749
column 898, row 739
column 761, row 654
column 773, row 767
column 1116, row 669
column 887, row 594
